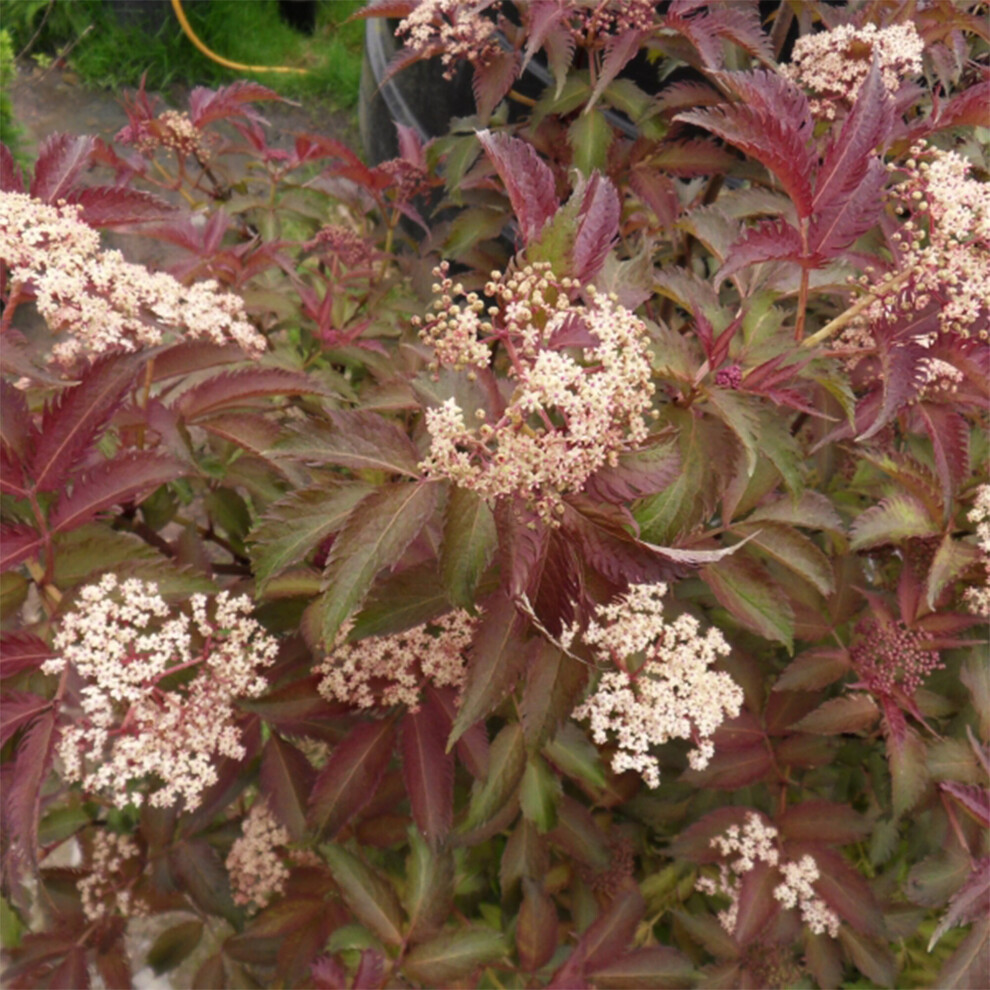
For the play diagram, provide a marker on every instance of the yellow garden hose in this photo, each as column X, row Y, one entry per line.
column 191, row 35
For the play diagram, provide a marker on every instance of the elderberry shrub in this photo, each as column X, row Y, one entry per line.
column 584, row 591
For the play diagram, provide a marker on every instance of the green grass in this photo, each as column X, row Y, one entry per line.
column 248, row 31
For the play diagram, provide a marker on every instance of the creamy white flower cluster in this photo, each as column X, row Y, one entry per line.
column 978, row 598
column 453, row 28
column 833, row 64
column 100, row 300
column 949, row 254
column 754, row 843
column 381, row 671
column 257, row 871
column 102, row 890
column 673, row 694
column 583, row 385
column 170, row 129
column 797, row 891
column 123, row 640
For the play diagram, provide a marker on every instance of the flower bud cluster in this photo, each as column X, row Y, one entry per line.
column 834, row 64
column 888, row 655
column 343, row 243
column 103, row 890
column 756, row 843
column 257, row 871
column 100, row 300
column 583, row 379
column 672, row 694
column 172, row 129
column 381, row 671
column 452, row 29
column 978, row 598
column 136, row 728
column 592, row 19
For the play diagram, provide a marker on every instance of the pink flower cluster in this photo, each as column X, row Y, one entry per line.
column 156, row 705
column 754, row 843
column 381, row 671
column 583, row 384
column 978, row 598
column 453, row 29
column 671, row 694
column 170, row 129
column 257, row 871
column 833, row 64
column 102, row 890
column 101, row 301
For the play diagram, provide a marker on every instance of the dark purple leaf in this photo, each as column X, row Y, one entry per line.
column 207, row 105
column 528, row 181
column 75, row 419
column 536, row 930
column 496, row 659
column 493, row 80
column 598, row 225
column 286, row 779
column 844, row 219
column 22, row 796
column 976, row 800
column 60, row 160
column 118, row 206
column 653, row 968
column 237, row 389
column 771, row 240
column 757, row 905
column 16, row 428
column 120, row 480
column 428, row 770
column 19, row 709
column 772, row 123
column 21, row 651
column 351, row 776
column 11, row 179
column 17, row 544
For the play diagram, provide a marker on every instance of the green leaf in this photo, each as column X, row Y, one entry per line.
column 472, row 225
column 752, row 598
column 740, row 415
column 793, row 550
column 908, row 769
column 507, row 760
column 812, row 510
column 446, row 958
column 952, row 559
column 590, row 136
column 813, row 669
column 706, row 449
column 539, row 793
column 369, row 895
column 297, row 524
column 203, row 877
column 850, row 713
column 653, row 968
column 356, row 439
column 496, row 660
column 536, row 930
column 553, row 683
column 870, row 958
column 429, row 891
column 576, row 755
column 375, row 536
column 469, row 539
column 897, row 518
column 173, row 945
column 969, row 965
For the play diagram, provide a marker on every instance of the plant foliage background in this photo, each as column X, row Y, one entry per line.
column 554, row 557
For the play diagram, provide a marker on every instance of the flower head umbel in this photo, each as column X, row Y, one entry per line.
column 171, row 129
column 381, row 671
column 257, row 871
column 672, row 694
column 978, row 598
column 99, row 300
column 158, row 690
column 103, row 890
column 756, row 843
column 453, row 29
column 833, row 64
column 583, row 384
